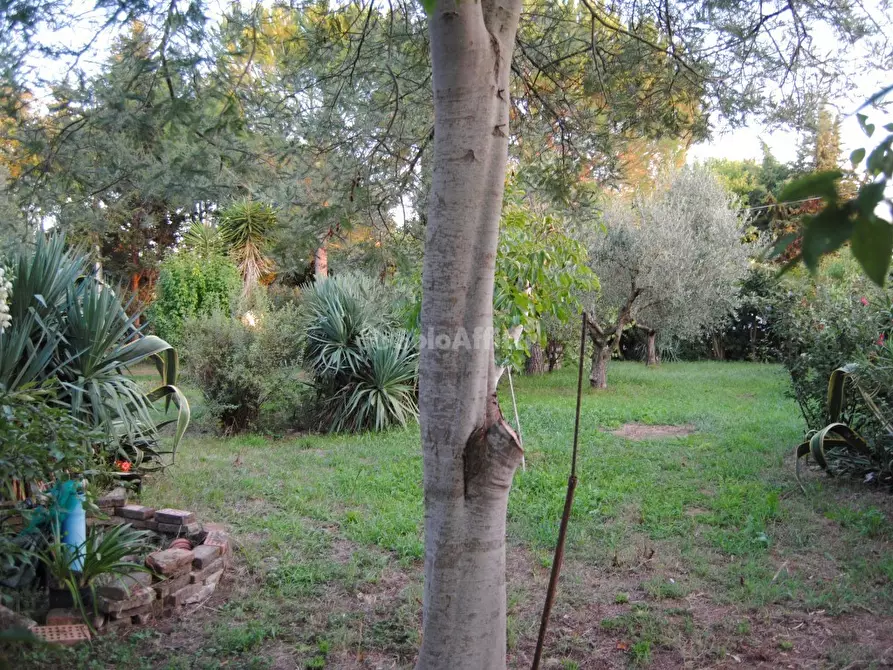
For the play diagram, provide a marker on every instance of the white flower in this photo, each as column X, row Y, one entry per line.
column 5, row 290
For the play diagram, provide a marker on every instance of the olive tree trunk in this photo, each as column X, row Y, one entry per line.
column 651, row 357
column 598, row 374
column 469, row 452
column 536, row 362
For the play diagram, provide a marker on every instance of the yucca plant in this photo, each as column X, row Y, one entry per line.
column 382, row 390
column 245, row 227
column 364, row 366
column 70, row 329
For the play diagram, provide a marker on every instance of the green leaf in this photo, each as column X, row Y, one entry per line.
column 825, row 232
column 869, row 197
column 857, row 156
column 823, row 184
column 428, row 5
column 872, row 245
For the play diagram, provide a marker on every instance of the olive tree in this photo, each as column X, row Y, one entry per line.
column 670, row 261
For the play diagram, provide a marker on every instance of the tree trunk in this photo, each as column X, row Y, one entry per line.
column 598, row 375
column 651, row 357
column 536, row 362
column 719, row 349
column 554, row 352
column 321, row 261
column 469, row 452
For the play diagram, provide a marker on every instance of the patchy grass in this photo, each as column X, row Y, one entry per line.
column 689, row 551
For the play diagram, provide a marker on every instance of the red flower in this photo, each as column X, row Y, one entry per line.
column 881, row 339
column 864, row 301
column 123, row 466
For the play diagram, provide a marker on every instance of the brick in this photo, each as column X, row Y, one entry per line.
column 186, row 530
column 117, row 497
column 205, row 554
column 217, row 538
column 198, row 576
column 66, row 635
column 139, row 512
column 121, row 588
column 178, row 598
column 170, row 562
column 168, row 586
column 177, row 517
column 139, row 596
column 203, row 592
column 143, row 618
column 63, row 617
column 214, row 578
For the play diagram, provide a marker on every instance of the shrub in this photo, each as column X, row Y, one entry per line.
column 192, row 284
column 364, row 366
column 240, row 367
column 820, row 324
column 69, row 329
column 39, row 441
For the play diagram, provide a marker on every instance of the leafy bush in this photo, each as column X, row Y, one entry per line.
column 192, row 284
column 364, row 366
column 820, row 324
column 39, row 441
column 242, row 364
column 69, row 329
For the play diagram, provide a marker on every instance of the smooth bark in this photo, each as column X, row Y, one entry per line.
column 469, row 452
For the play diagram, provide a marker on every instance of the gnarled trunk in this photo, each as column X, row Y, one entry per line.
column 554, row 353
column 469, row 452
column 536, row 362
column 598, row 374
column 651, row 357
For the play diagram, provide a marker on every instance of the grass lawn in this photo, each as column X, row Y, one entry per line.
column 694, row 551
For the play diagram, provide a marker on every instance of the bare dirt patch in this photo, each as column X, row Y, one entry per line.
column 641, row 431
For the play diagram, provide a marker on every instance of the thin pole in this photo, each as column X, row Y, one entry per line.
column 565, row 516
column 517, row 420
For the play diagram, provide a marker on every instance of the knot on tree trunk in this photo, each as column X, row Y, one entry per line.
column 492, row 454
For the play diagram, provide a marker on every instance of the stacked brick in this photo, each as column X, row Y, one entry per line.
column 178, row 576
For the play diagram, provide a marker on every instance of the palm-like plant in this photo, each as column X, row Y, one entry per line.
column 245, row 227
column 382, row 392
column 104, row 553
column 364, row 367
column 204, row 239
column 70, row 329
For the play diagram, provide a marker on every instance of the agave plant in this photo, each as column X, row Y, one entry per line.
column 840, row 448
column 364, row 367
column 69, row 328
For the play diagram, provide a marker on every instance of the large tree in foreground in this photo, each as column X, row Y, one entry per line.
column 470, row 452
column 670, row 261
